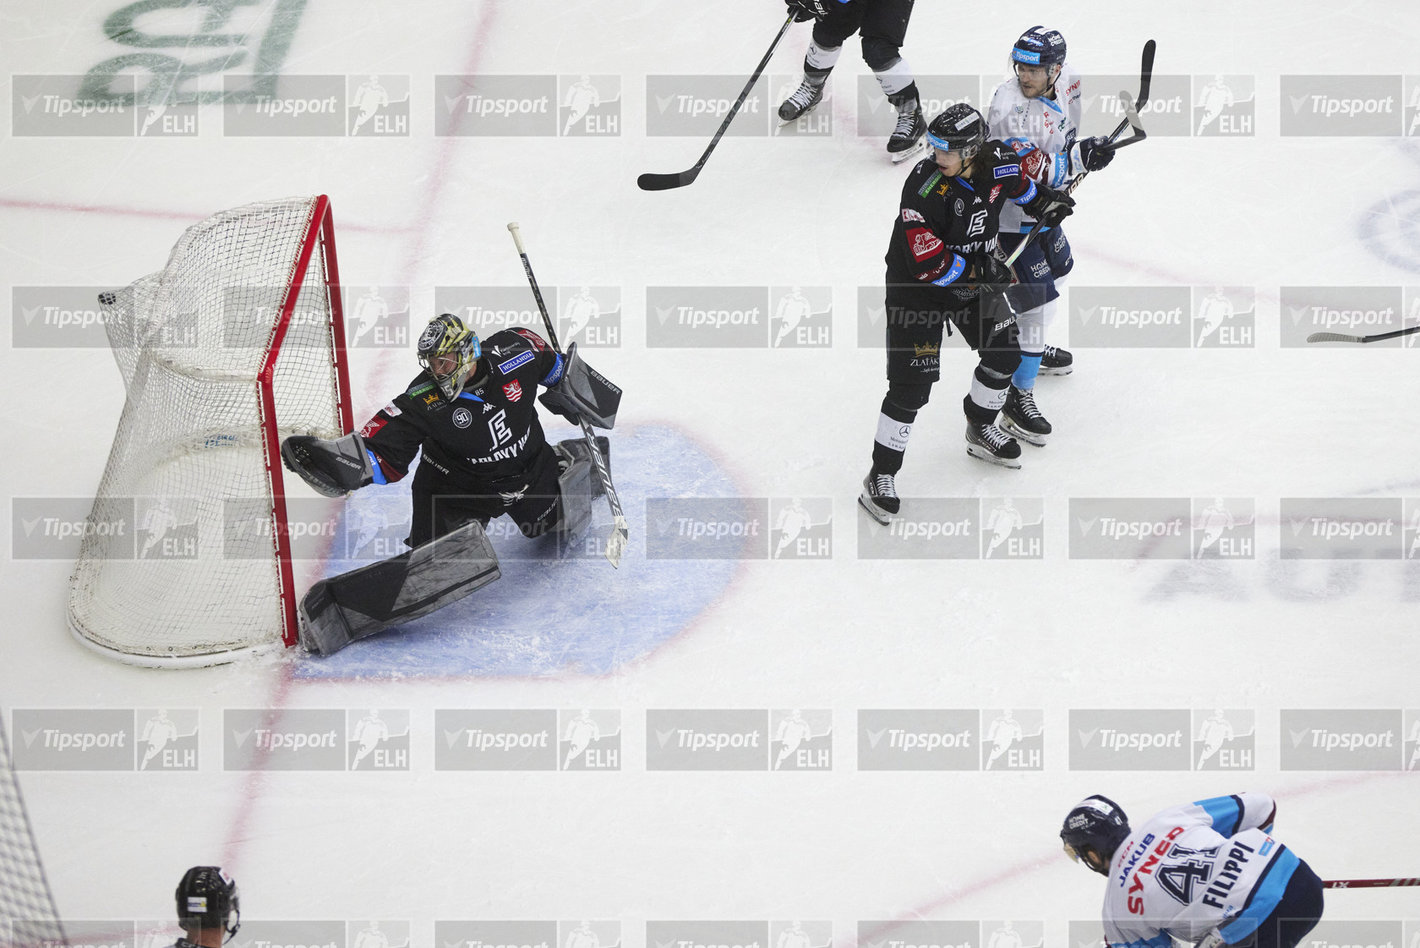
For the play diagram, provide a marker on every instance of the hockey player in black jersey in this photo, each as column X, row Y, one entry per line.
column 943, row 266
column 471, row 417
column 208, row 908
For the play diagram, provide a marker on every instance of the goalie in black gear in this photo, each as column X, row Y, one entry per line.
column 943, row 268
column 471, row 417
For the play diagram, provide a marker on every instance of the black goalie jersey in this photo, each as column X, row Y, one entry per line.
column 943, row 219
column 487, row 435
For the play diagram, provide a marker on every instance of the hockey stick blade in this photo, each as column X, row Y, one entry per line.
column 651, row 181
column 665, row 182
column 1346, row 337
column 1146, row 74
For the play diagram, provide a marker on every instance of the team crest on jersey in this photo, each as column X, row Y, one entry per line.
column 513, row 390
column 462, row 417
column 961, row 207
column 908, row 214
column 924, row 242
column 977, row 225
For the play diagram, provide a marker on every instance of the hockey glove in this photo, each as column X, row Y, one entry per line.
column 332, row 468
column 805, row 10
column 989, row 272
column 583, row 393
column 1094, row 153
column 1049, row 206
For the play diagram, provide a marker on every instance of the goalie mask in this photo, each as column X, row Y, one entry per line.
column 207, row 898
column 448, row 351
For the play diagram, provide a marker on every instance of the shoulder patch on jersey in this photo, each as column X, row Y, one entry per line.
column 532, row 338
column 522, row 358
column 908, row 214
column 392, row 410
column 926, row 189
column 414, row 391
column 995, row 193
column 923, row 242
column 1006, row 171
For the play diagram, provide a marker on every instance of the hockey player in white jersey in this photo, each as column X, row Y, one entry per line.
column 1207, row 873
column 1037, row 112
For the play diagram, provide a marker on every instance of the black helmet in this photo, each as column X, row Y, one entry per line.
column 207, row 898
column 1039, row 47
column 1096, row 825
column 957, row 128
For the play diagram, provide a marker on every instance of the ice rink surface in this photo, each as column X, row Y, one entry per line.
column 1054, row 638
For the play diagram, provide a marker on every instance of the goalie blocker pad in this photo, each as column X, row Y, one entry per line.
column 361, row 602
column 583, row 393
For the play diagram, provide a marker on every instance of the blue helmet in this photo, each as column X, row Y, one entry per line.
column 1039, row 47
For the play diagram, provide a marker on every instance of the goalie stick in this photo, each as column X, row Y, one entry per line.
column 616, row 540
column 1130, row 120
column 664, row 182
column 1346, row 337
column 1367, row 883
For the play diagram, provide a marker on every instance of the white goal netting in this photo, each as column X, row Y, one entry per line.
column 28, row 918
column 234, row 345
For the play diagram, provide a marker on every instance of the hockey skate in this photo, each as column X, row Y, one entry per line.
column 802, row 100
column 910, row 133
column 1057, row 361
column 1020, row 417
column 989, row 443
column 879, row 497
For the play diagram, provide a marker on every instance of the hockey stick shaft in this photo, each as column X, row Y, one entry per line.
column 616, row 542
column 1346, row 337
column 1367, row 883
column 1146, row 78
column 663, row 182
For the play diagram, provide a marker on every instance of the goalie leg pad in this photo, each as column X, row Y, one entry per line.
column 574, row 494
column 361, row 602
column 576, row 449
column 583, row 392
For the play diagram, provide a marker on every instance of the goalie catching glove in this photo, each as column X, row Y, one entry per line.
column 583, row 392
column 333, row 468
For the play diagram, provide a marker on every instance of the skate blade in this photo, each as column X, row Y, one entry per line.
column 1021, row 434
column 901, row 156
column 981, row 454
column 874, row 511
column 1056, row 370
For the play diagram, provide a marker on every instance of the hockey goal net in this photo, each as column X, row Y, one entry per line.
column 237, row 343
column 28, row 918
